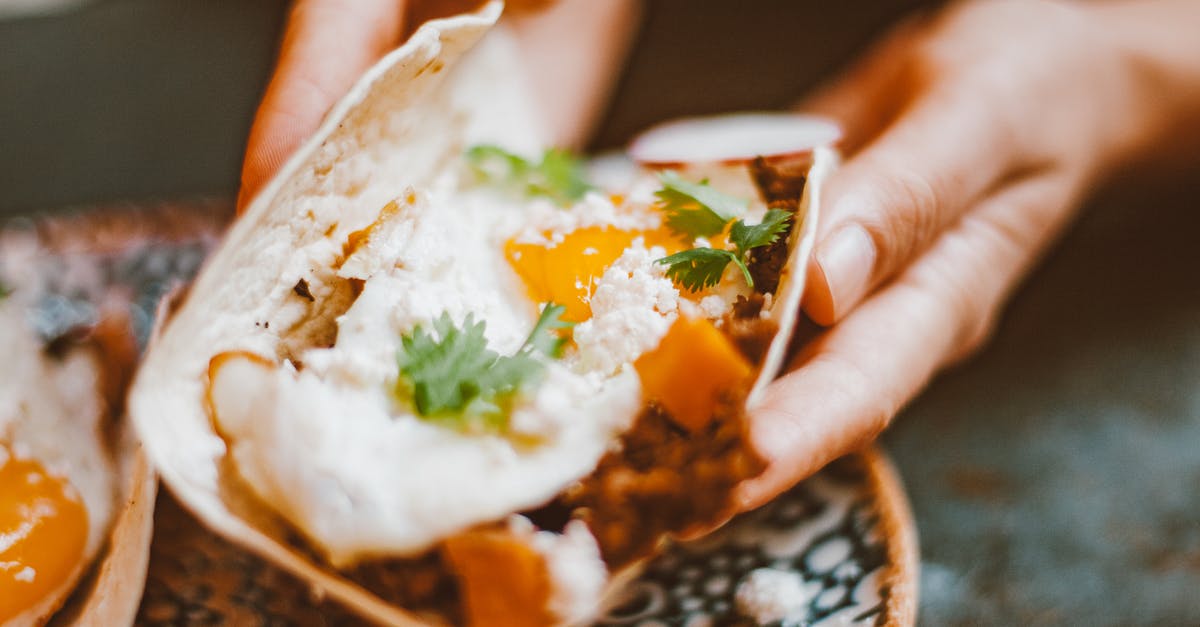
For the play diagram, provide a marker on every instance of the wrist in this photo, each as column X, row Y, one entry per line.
column 1158, row 61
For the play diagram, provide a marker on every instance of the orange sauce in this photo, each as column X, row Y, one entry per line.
column 43, row 532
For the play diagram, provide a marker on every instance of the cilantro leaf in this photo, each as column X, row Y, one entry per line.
column 695, row 209
column 543, row 337
column 699, row 268
column 559, row 175
column 451, row 376
column 765, row 233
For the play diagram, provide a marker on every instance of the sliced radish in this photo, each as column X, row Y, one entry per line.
column 733, row 138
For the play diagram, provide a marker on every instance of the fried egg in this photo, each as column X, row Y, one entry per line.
column 57, row 486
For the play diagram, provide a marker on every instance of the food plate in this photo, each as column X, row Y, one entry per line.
column 845, row 533
column 837, row 549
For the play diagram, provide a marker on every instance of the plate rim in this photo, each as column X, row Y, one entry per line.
column 896, row 522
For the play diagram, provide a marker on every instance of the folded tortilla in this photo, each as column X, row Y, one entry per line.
column 275, row 407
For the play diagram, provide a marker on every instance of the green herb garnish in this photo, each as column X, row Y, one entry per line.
column 695, row 209
column 559, row 175
column 5, row 290
column 744, row 237
column 699, row 268
column 452, row 377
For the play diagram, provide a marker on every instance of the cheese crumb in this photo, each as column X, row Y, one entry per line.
column 714, row 306
column 633, row 305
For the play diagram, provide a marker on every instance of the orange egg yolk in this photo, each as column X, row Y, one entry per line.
column 565, row 272
column 43, row 531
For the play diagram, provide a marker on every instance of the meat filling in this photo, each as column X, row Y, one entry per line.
column 747, row 329
column 423, row 585
column 780, row 180
column 664, row 480
column 781, row 186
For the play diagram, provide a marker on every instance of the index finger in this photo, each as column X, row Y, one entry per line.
column 326, row 45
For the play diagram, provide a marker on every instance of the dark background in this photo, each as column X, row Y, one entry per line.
column 1054, row 478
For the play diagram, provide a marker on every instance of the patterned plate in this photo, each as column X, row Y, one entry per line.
column 838, row 549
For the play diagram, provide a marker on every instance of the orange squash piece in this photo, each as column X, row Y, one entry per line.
column 565, row 272
column 690, row 370
column 503, row 580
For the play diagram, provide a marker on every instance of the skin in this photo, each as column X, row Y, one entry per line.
column 972, row 137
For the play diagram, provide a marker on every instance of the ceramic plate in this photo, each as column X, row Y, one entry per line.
column 838, row 549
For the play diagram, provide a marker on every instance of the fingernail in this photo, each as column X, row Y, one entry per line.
column 847, row 259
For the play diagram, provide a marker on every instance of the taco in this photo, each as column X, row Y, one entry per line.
column 75, row 491
column 447, row 375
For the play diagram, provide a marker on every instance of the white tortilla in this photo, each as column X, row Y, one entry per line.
column 373, row 144
column 786, row 309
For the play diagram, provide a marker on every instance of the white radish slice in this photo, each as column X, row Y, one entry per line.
column 733, row 138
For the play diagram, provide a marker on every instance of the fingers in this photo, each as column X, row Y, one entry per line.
column 326, row 45
column 893, row 199
column 573, row 53
column 853, row 380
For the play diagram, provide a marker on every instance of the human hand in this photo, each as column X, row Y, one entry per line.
column 972, row 138
column 327, row 44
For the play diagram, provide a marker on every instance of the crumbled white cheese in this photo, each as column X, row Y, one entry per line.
column 547, row 223
column 713, row 306
column 576, row 568
column 768, row 595
column 633, row 306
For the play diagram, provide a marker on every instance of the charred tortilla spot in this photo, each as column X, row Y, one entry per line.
column 301, row 290
column 357, row 239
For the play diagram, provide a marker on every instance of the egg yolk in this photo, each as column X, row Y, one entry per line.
column 565, row 271
column 43, row 531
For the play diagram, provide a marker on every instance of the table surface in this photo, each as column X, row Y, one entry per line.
column 1053, row 478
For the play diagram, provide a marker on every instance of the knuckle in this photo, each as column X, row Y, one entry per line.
column 906, row 215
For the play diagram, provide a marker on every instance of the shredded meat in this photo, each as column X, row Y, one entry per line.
column 664, row 480
column 747, row 329
column 781, row 184
column 422, row 584
column 766, row 263
column 780, row 180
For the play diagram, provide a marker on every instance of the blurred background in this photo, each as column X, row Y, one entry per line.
column 1053, row 478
